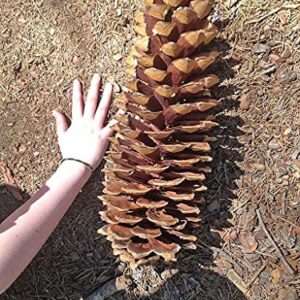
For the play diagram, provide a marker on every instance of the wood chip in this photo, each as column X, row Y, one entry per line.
column 276, row 275
column 245, row 101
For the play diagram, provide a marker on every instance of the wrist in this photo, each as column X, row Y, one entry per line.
column 71, row 171
column 86, row 164
column 74, row 167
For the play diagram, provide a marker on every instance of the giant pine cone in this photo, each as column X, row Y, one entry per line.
column 160, row 153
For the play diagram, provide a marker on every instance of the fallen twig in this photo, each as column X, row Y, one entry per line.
column 272, row 12
column 221, row 252
column 279, row 252
column 255, row 276
column 110, row 288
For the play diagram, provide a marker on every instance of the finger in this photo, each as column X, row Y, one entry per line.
column 104, row 105
column 107, row 131
column 61, row 122
column 92, row 97
column 77, row 100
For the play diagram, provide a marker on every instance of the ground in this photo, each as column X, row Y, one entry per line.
column 253, row 191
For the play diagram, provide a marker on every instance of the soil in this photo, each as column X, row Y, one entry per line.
column 45, row 44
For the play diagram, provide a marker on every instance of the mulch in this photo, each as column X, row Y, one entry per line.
column 249, row 244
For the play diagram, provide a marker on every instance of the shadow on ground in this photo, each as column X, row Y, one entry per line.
column 74, row 260
column 194, row 279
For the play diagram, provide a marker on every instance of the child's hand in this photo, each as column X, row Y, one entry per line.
column 86, row 139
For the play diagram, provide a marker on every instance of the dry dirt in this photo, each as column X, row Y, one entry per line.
column 45, row 44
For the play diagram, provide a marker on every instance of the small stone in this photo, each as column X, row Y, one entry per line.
column 22, row 169
column 36, row 153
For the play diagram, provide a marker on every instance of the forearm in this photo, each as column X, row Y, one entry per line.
column 24, row 232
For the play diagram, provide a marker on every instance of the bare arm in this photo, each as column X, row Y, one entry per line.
column 25, row 231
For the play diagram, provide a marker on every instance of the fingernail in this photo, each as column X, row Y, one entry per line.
column 53, row 113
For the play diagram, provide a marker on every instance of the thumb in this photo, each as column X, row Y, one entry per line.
column 61, row 122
